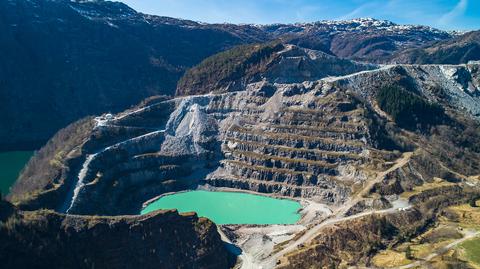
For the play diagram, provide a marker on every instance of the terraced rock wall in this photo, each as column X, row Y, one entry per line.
column 319, row 140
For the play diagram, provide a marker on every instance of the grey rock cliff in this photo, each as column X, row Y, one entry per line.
column 313, row 139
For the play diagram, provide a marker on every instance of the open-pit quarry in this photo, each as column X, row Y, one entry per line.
column 325, row 144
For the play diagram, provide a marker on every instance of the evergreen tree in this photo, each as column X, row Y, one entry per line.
column 409, row 110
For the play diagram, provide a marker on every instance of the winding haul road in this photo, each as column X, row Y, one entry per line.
column 249, row 262
column 468, row 235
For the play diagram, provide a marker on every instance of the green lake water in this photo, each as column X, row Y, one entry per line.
column 11, row 163
column 231, row 207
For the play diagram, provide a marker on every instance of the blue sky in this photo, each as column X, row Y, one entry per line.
column 443, row 14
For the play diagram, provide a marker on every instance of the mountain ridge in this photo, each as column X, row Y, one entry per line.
column 70, row 66
column 63, row 74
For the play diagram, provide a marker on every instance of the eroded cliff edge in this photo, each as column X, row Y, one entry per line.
column 163, row 239
column 318, row 139
column 328, row 140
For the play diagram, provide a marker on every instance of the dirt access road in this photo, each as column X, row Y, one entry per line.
column 336, row 218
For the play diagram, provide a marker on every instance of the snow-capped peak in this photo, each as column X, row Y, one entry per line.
column 352, row 25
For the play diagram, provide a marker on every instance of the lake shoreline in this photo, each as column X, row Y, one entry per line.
column 230, row 207
column 206, row 187
column 11, row 165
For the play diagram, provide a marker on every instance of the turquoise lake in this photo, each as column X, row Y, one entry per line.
column 11, row 163
column 231, row 207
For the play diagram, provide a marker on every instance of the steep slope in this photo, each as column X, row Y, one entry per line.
column 461, row 49
column 43, row 239
column 362, row 39
column 317, row 140
column 63, row 60
column 345, row 142
column 68, row 59
column 233, row 69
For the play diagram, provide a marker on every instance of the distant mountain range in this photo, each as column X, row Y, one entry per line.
column 460, row 49
column 359, row 39
column 63, row 60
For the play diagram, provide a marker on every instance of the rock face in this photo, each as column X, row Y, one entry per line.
column 232, row 70
column 243, row 140
column 166, row 239
column 317, row 140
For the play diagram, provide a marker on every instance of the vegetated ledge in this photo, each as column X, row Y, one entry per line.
column 354, row 242
column 44, row 181
column 226, row 68
column 161, row 239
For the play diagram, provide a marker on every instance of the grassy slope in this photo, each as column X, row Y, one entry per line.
column 472, row 250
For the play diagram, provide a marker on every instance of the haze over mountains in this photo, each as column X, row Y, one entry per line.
column 67, row 59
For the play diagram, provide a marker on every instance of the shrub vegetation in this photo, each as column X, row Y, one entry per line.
column 231, row 65
column 409, row 110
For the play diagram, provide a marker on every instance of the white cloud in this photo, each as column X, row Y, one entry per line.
column 438, row 13
column 457, row 11
column 368, row 9
column 354, row 13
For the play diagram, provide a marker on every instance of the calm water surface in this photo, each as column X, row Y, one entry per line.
column 11, row 163
column 231, row 207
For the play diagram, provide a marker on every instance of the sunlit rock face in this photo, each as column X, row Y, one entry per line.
column 315, row 139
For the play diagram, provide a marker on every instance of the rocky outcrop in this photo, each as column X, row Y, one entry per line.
column 232, row 70
column 165, row 239
column 370, row 204
column 350, row 243
column 422, row 168
column 437, row 198
column 311, row 140
column 454, row 85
